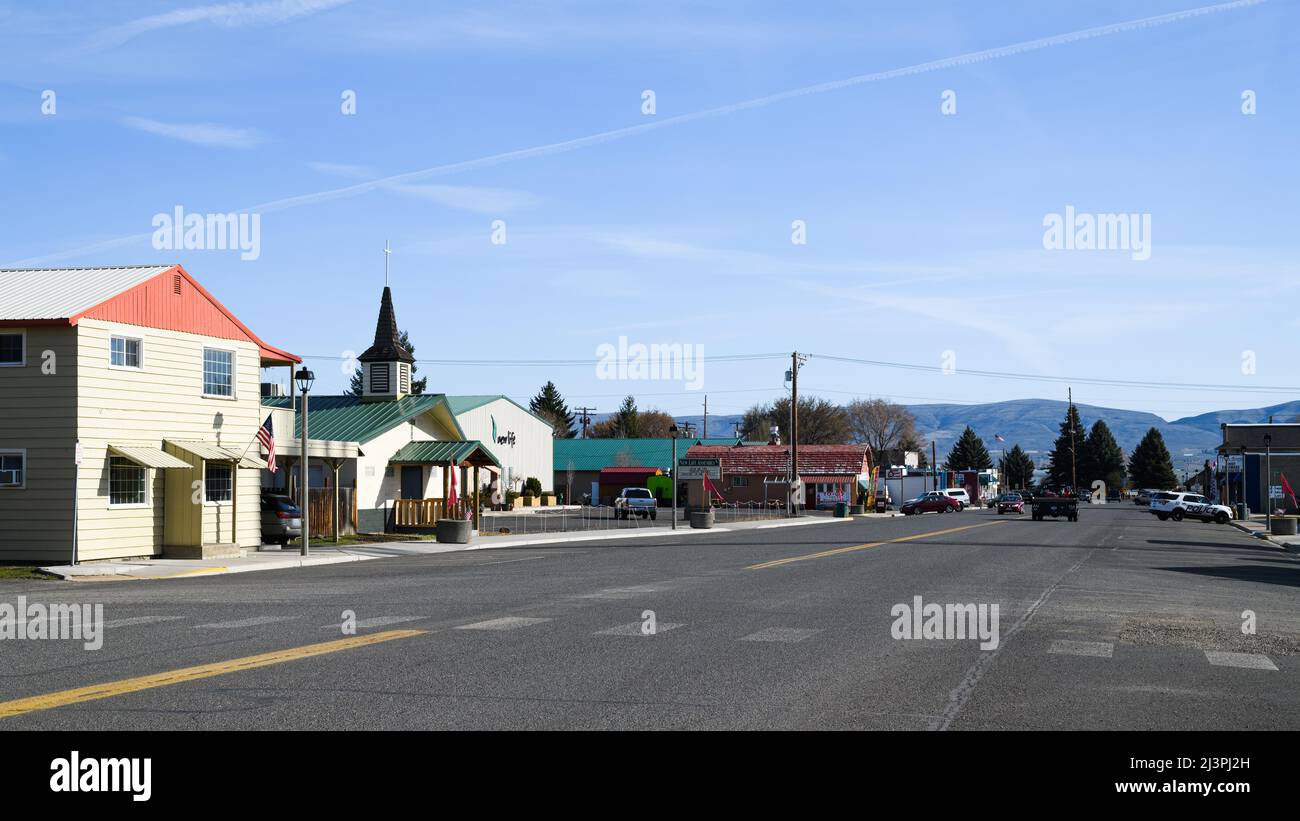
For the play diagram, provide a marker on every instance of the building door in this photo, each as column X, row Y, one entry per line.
column 412, row 481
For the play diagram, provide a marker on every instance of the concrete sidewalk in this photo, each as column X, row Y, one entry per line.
column 1258, row 529
column 324, row 553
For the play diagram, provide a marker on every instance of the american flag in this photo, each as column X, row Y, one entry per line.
column 266, row 436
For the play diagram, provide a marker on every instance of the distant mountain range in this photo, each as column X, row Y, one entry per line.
column 1034, row 423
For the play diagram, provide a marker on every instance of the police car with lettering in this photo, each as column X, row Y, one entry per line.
column 1179, row 506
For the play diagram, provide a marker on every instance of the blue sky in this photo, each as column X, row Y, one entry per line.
column 924, row 230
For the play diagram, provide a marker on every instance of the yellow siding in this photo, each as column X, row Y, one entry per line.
column 164, row 400
column 38, row 413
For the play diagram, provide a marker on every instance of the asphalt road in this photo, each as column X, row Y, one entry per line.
column 1118, row 621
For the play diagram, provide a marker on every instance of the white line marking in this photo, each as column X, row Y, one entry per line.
column 140, row 620
column 251, row 622
column 634, row 629
column 377, row 621
column 504, row 623
column 788, row 634
column 1100, row 649
column 1251, row 661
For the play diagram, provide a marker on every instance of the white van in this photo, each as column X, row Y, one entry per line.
column 960, row 494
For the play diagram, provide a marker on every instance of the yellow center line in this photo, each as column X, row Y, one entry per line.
column 131, row 685
column 842, row 550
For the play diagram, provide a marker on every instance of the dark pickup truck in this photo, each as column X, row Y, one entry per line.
column 1049, row 504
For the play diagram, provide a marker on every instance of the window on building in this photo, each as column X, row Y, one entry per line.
column 740, row 481
column 218, row 372
column 124, row 352
column 13, row 465
column 127, row 482
column 379, row 378
column 13, row 349
column 218, row 482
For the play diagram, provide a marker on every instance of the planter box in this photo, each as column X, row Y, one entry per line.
column 517, row 503
column 548, row 501
column 453, row 531
column 702, row 519
column 1284, row 526
column 529, row 501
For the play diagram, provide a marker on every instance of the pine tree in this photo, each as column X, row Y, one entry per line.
column 1061, row 469
column 1101, row 458
column 1150, row 465
column 626, row 423
column 549, row 405
column 968, row 452
column 357, row 388
column 1017, row 468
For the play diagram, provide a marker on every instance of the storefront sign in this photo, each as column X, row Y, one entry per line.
column 699, row 467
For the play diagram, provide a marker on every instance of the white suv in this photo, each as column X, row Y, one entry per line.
column 1177, row 506
column 960, row 494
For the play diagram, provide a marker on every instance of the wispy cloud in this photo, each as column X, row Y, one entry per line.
column 477, row 199
column 228, row 15
column 209, row 134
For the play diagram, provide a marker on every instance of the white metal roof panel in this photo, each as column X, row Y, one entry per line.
column 60, row 293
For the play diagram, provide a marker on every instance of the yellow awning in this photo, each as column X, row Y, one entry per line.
column 150, row 457
column 214, row 453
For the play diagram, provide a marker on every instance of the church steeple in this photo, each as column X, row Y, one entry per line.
column 386, row 364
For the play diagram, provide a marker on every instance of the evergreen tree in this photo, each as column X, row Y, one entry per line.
column 357, row 388
column 549, row 405
column 1066, row 452
column 626, row 424
column 1017, row 468
column 1101, row 458
column 968, row 452
column 1150, row 465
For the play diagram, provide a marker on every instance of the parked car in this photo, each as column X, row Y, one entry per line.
column 1010, row 503
column 1178, row 506
column 635, row 501
column 932, row 502
column 1143, row 498
column 281, row 519
column 960, row 494
column 1026, row 495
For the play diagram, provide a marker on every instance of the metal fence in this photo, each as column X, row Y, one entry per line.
column 604, row 517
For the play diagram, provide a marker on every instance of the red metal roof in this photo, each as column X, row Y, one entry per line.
column 174, row 301
column 623, row 470
column 828, row 463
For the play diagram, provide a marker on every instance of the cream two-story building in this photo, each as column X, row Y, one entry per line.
column 129, row 403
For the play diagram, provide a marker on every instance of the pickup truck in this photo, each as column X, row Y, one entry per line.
column 1047, row 504
column 635, row 501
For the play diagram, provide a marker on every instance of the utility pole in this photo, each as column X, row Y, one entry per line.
column 586, row 420
column 795, row 361
column 706, row 416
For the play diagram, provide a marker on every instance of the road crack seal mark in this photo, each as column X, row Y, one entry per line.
column 961, row 694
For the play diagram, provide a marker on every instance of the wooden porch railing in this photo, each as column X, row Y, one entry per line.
column 425, row 512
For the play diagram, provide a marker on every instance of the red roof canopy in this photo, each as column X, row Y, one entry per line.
column 823, row 461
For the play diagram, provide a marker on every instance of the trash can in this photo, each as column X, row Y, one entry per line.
column 453, row 531
column 841, row 510
column 882, row 504
column 701, row 519
column 1284, row 526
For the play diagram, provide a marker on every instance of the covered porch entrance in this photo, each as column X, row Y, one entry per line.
column 418, row 462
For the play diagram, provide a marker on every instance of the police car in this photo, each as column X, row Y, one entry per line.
column 1177, row 506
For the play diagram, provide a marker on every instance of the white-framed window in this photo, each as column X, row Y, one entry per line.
column 218, row 482
column 128, row 483
column 219, row 373
column 13, row 469
column 13, row 349
column 125, row 352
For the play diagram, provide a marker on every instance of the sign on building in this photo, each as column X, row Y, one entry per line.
column 697, row 467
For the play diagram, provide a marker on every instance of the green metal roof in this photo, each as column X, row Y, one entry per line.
column 594, row 454
column 442, row 453
column 350, row 419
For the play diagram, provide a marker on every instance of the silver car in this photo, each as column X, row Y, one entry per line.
column 281, row 519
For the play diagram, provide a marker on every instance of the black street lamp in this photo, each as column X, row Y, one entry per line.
column 1268, row 481
column 305, row 380
column 672, row 431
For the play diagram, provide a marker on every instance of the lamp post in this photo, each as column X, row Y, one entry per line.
column 672, row 431
column 1268, row 481
column 305, row 379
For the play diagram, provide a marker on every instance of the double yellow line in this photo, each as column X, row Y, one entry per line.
column 132, row 685
column 839, row 551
